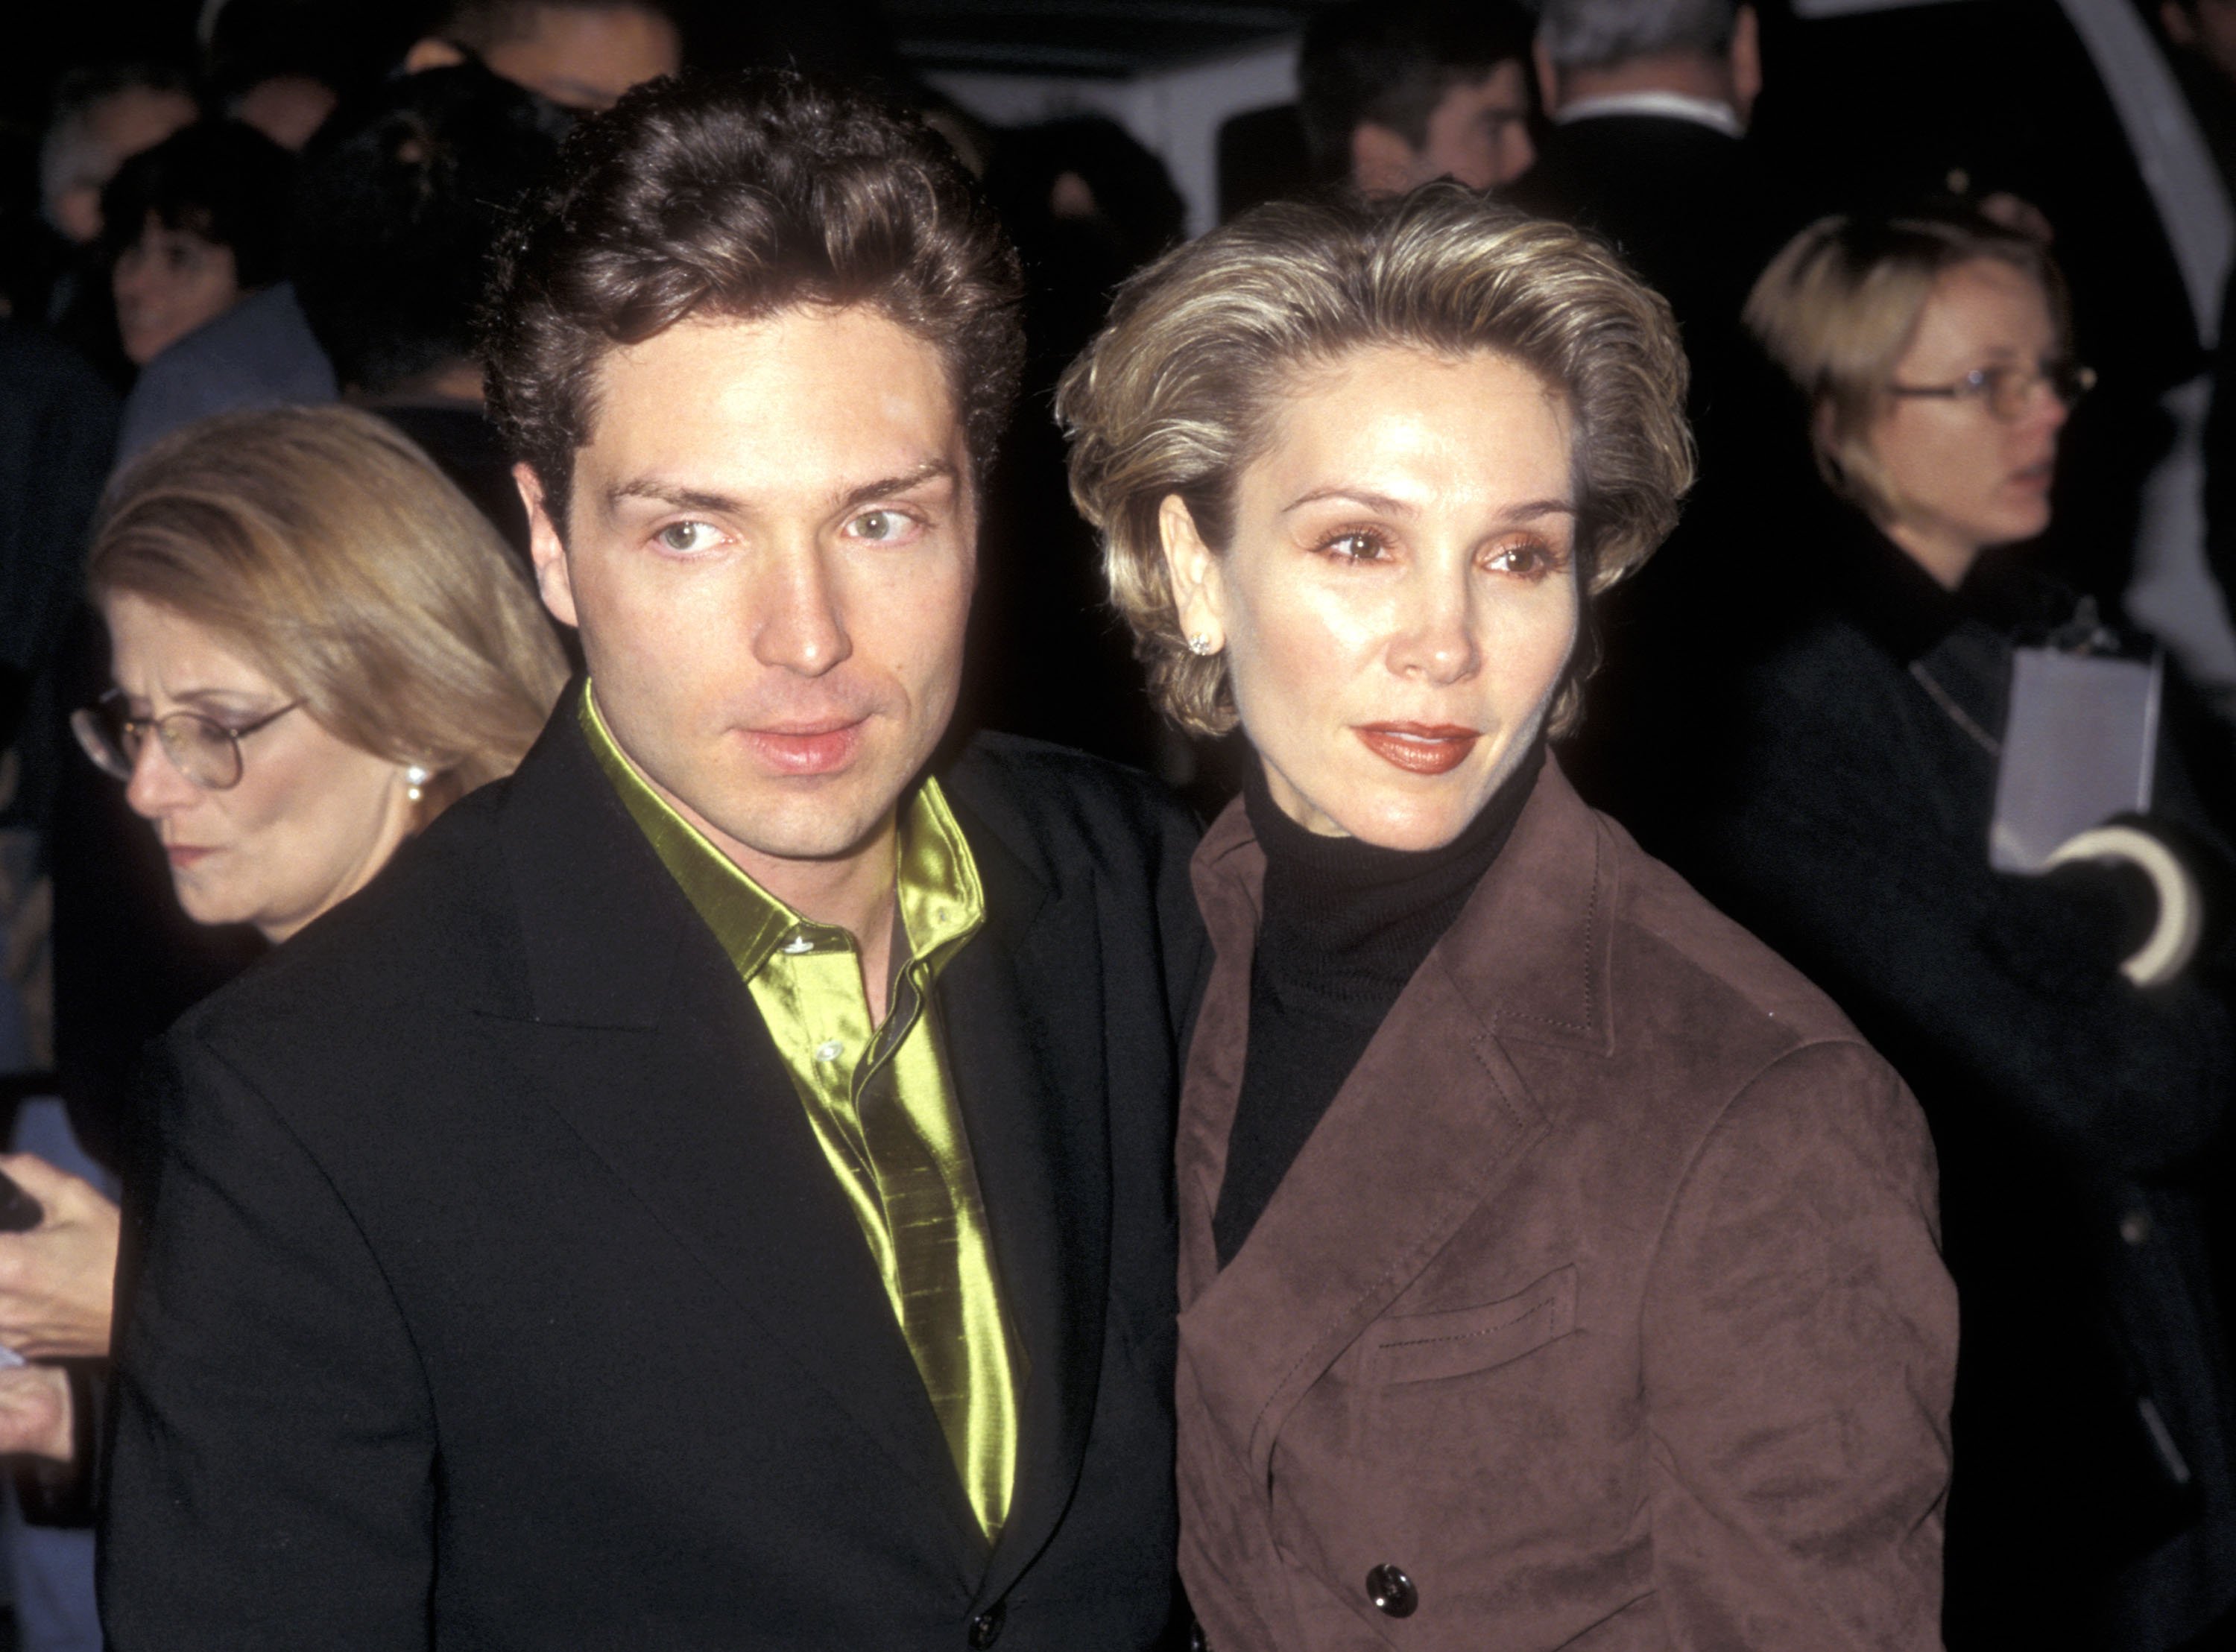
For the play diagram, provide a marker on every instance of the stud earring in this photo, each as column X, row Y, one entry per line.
column 416, row 778
column 1198, row 645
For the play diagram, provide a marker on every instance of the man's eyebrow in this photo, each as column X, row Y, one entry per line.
column 886, row 487
column 674, row 494
column 676, row 497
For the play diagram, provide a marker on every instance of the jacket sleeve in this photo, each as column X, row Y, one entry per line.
column 1800, row 1348
column 270, row 1483
column 2011, row 983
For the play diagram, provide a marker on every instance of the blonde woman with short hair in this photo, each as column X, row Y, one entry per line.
column 1556, row 1265
column 2070, row 1028
column 319, row 644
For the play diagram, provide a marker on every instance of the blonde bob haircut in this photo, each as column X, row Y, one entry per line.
column 1183, row 387
column 328, row 551
column 1839, row 305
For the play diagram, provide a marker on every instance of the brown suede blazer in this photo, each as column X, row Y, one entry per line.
column 1604, row 1303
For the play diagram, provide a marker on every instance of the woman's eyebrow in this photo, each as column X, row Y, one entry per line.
column 1527, row 511
column 1372, row 501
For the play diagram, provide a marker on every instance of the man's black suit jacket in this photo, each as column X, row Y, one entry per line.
column 1696, row 216
column 485, row 1288
column 1688, row 206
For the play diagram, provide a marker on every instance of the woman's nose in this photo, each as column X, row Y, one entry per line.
column 157, row 788
column 1436, row 638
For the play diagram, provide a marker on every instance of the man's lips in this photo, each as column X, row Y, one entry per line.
column 184, row 854
column 807, row 748
column 1419, row 748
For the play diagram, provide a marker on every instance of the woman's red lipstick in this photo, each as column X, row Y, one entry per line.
column 1419, row 748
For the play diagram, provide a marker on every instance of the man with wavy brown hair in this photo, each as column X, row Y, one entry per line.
column 713, row 1191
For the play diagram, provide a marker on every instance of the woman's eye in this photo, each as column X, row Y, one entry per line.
column 1529, row 558
column 1355, row 546
column 685, row 537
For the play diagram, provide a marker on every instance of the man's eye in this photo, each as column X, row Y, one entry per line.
column 882, row 525
column 685, row 537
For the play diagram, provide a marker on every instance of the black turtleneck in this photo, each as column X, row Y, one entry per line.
column 1344, row 927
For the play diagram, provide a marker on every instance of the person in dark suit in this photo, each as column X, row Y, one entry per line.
column 1650, row 105
column 712, row 1190
column 1558, row 1266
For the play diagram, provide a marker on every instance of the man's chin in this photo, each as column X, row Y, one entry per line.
column 825, row 818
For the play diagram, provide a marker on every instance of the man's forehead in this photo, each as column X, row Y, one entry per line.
column 812, row 400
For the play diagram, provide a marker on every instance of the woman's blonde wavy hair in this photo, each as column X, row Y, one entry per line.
column 1180, row 390
column 330, row 552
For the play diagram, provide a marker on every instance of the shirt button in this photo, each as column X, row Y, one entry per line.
column 986, row 1627
column 796, row 943
column 830, row 1051
column 2136, row 1227
column 1392, row 1591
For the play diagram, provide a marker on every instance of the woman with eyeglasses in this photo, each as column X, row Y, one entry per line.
column 2068, row 1033
column 318, row 642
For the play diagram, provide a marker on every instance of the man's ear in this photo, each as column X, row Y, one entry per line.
column 1548, row 78
column 1198, row 595
column 1745, row 62
column 428, row 52
column 1382, row 162
column 545, row 548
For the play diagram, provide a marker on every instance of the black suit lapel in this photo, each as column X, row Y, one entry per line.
column 640, row 1034
column 1023, row 1024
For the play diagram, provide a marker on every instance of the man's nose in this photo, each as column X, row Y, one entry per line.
column 157, row 788
column 798, row 622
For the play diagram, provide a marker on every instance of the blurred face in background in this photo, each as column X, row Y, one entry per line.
column 1477, row 133
column 286, row 109
column 1399, row 598
column 118, row 127
column 1973, row 470
column 580, row 57
column 2206, row 28
column 168, row 283
column 770, row 548
column 312, row 818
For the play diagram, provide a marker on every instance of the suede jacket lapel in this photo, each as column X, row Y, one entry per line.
column 1427, row 1126
column 638, row 1032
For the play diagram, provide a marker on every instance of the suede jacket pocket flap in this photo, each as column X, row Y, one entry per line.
column 1419, row 1348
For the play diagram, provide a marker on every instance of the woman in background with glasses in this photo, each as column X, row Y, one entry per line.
column 2077, row 1078
column 317, row 644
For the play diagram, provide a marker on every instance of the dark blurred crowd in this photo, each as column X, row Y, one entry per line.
column 1800, row 703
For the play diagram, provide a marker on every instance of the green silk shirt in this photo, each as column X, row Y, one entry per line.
column 878, row 1097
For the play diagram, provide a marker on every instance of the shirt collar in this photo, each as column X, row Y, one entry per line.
column 1672, row 106
column 942, row 902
